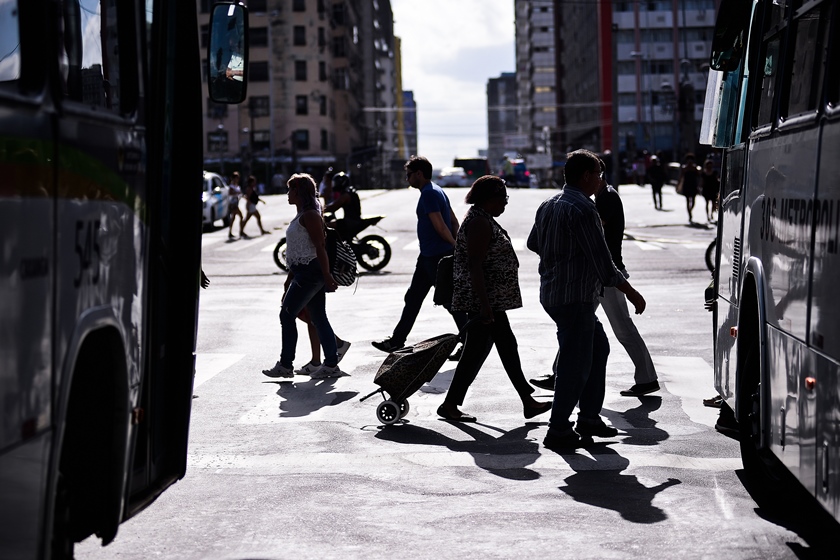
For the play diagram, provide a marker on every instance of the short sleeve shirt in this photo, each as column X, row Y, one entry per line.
column 432, row 199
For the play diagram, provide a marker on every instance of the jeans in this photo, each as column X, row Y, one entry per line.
column 479, row 340
column 423, row 280
column 306, row 290
column 615, row 307
column 581, row 365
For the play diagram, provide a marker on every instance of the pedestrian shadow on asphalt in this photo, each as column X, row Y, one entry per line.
column 506, row 456
column 644, row 431
column 301, row 399
column 598, row 482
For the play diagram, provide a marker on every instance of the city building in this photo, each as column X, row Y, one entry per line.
column 321, row 76
column 501, row 117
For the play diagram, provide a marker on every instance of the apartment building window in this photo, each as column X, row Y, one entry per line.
column 322, row 106
column 205, row 35
column 262, row 141
column 258, row 71
column 217, row 141
column 338, row 13
column 205, row 6
column 325, row 140
column 300, row 70
column 216, row 110
column 341, row 79
column 257, row 6
column 301, row 105
column 322, row 37
column 299, row 36
column 258, row 36
column 339, row 47
column 299, row 5
column 301, row 139
column 322, row 71
column 258, row 106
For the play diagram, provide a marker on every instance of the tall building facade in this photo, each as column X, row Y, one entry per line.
column 501, row 116
column 536, row 77
column 661, row 52
column 319, row 73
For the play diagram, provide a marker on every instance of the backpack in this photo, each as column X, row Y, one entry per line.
column 342, row 258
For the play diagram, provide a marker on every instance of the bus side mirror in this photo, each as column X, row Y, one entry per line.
column 227, row 53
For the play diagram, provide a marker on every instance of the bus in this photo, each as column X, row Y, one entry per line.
column 474, row 166
column 100, row 228
column 773, row 106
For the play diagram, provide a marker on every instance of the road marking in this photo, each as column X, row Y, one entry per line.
column 413, row 246
column 209, row 365
column 207, row 241
column 648, row 245
column 621, row 458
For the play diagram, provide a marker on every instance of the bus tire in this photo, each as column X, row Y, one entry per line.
column 61, row 541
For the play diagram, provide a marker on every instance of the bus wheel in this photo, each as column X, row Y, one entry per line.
column 761, row 466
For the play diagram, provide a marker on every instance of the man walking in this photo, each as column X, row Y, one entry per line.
column 611, row 210
column 437, row 227
column 575, row 265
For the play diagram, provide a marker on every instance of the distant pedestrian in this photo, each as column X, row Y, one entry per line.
column 486, row 285
column 711, row 188
column 253, row 198
column 656, row 175
column 325, row 186
column 687, row 185
column 234, row 193
column 308, row 281
column 437, row 227
column 575, row 264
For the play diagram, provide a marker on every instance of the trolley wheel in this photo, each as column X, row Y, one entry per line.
column 404, row 408
column 280, row 255
column 374, row 252
column 388, row 412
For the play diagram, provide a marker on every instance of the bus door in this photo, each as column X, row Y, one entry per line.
column 27, row 274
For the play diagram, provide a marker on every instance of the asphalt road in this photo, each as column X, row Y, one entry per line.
column 303, row 469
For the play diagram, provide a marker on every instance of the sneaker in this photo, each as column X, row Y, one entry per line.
column 595, row 428
column 342, row 349
column 308, row 369
column 714, row 402
column 546, row 382
column 279, row 371
column 387, row 345
column 456, row 355
column 564, row 442
column 640, row 389
column 325, row 372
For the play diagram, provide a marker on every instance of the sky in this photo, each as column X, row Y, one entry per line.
column 450, row 48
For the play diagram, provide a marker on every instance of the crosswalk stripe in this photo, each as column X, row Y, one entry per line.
column 648, row 246
column 208, row 365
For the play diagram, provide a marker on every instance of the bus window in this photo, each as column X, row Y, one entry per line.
column 90, row 54
column 9, row 42
column 806, row 76
column 768, row 83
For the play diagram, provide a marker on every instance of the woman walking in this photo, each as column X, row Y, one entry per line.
column 308, row 281
column 486, row 285
column 235, row 193
column 711, row 188
column 689, row 177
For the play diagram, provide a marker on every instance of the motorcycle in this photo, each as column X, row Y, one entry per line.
column 372, row 251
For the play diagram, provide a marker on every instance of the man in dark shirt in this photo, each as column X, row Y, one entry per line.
column 611, row 210
column 437, row 227
column 575, row 265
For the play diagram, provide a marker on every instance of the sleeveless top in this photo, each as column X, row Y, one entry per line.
column 299, row 246
column 501, row 269
column 235, row 192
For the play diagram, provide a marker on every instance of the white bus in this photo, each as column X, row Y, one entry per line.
column 100, row 245
column 773, row 105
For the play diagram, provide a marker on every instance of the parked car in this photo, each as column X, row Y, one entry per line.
column 453, row 177
column 216, row 196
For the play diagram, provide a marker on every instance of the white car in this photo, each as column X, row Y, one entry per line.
column 453, row 177
column 215, row 197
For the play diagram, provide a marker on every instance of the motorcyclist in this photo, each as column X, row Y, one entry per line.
column 347, row 199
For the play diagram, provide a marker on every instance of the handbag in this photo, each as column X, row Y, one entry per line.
column 342, row 258
column 444, row 284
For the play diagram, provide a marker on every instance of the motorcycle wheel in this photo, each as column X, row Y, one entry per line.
column 374, row 252
column 280, row 255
